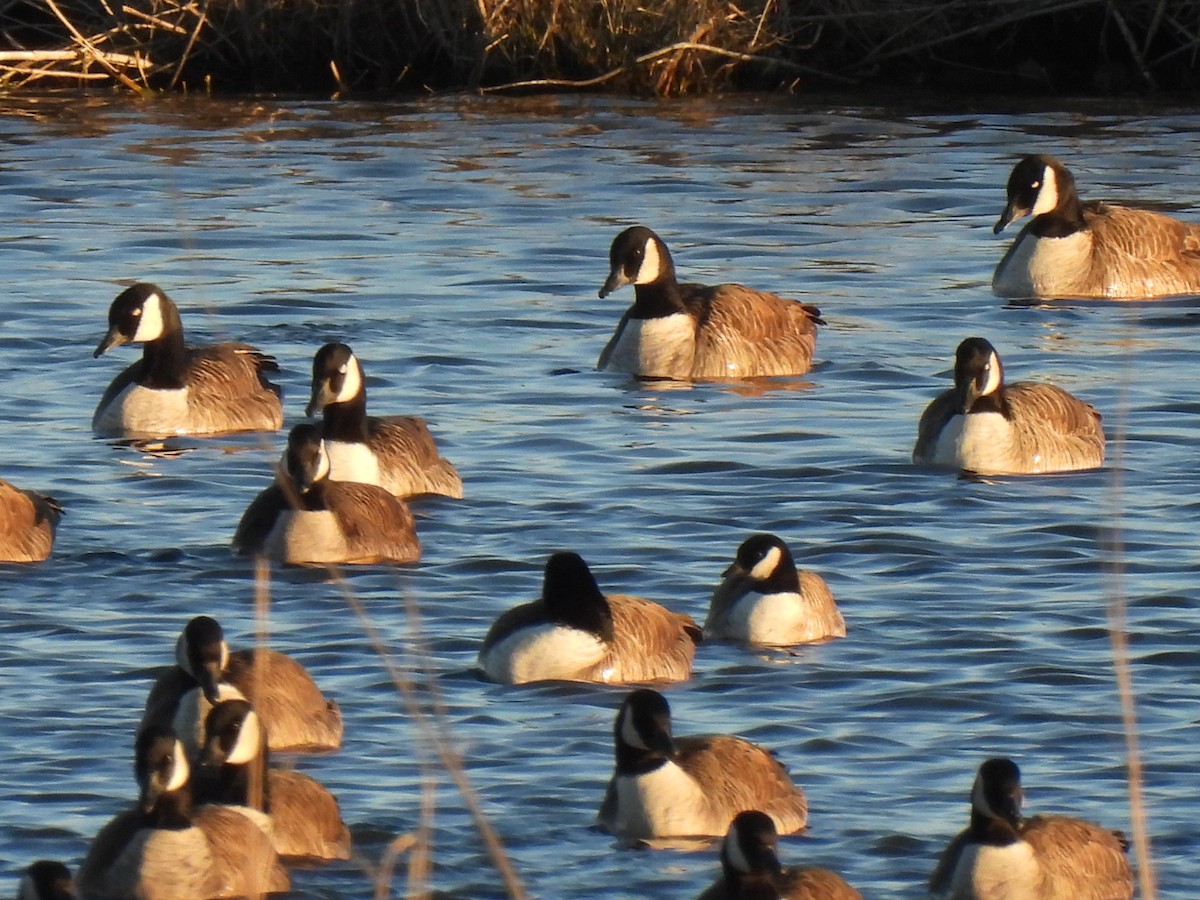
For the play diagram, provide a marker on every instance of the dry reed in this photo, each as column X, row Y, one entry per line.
column 666, row 47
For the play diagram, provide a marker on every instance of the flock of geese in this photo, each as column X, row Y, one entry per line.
column 213, row 819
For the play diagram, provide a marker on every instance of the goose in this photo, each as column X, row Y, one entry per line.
column 304, row 820
column 665, row 786
column 750, row 868
column 694, row 331
column 164, row 849
column 395, row 452
column 765, row 600
column 576, row 633
column 1001, row 856
column 46, row 879
column 297, row 716
column 988, row 427
column 305, row 518
column 1071, row 249
column 28, row 522
column 174, row 389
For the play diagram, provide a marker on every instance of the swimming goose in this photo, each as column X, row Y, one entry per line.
column 576, row 633
column 1001, row 856
column 1072, row 249
column 306, row 519
column 985, row 426
column 685, row 331
column 305, row 822
column 750, row 868
column 28, row 521
column 164, row 849
column 765, row 600
column 298, row 717
column 46, row 879
column 395, row 452
column 174, row 389
column 666, row 786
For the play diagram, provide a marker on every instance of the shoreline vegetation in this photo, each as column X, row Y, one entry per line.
column 662, row 47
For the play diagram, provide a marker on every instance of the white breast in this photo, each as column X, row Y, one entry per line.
column 546, row 652
column 140, row 410
column 307, row 536
column 981, row 442
column 664, row 803
column 770, row 619
column 996, row 873
column 352, row 461
column 161, row 862
column 1046, row 267
column 662, row 347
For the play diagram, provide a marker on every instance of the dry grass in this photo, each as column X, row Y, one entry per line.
column 665, row 47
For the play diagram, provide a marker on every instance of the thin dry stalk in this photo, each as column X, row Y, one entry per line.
column 436, row 734
column 1119, row 639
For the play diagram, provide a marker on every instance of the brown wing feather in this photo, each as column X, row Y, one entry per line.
column 804, row 883
column 307, row 821
column 409, row 458
column 377, row 526
column 650, row 643
column 296, row 714
column 243, row 856
column 745, row 333
column 27, row 524
column 1081, row 860
column 811, row 883
column 933, row 420
column 1137, row 252
column 736, row 775
column 1055, row 427
column 227, row 388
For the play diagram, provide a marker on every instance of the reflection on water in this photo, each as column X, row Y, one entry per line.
column 457, row 244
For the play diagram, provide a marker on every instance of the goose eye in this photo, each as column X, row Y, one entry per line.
column 1036, row 185
column 137, row 312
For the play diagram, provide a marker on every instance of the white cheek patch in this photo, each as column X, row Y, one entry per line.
column 733, row 852
column 979, row 799
column 629, row 734
column 150, row 325
column 352, row 383
column 249, row 742
column 1047, row 197
column 995, row 375
column 322, row 463
column 224, row 656
column 179, row 771
column 651, row 266
column 767, row 565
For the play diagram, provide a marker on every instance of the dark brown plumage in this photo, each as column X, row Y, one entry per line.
column 1002, row 856
column 693, row 331
column 28, row 522
column 174, row 389
column 986, row 426
column 750, row 868
column 398, row 453
column 1072, row 249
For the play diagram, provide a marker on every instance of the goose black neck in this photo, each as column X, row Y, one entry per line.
column 658, row 299
column 164, row 360
column 346, row 420
column 172, row 810
column 998, row 832
column 636, row 761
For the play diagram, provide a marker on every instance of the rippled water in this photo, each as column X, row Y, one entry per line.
column 458, row 245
